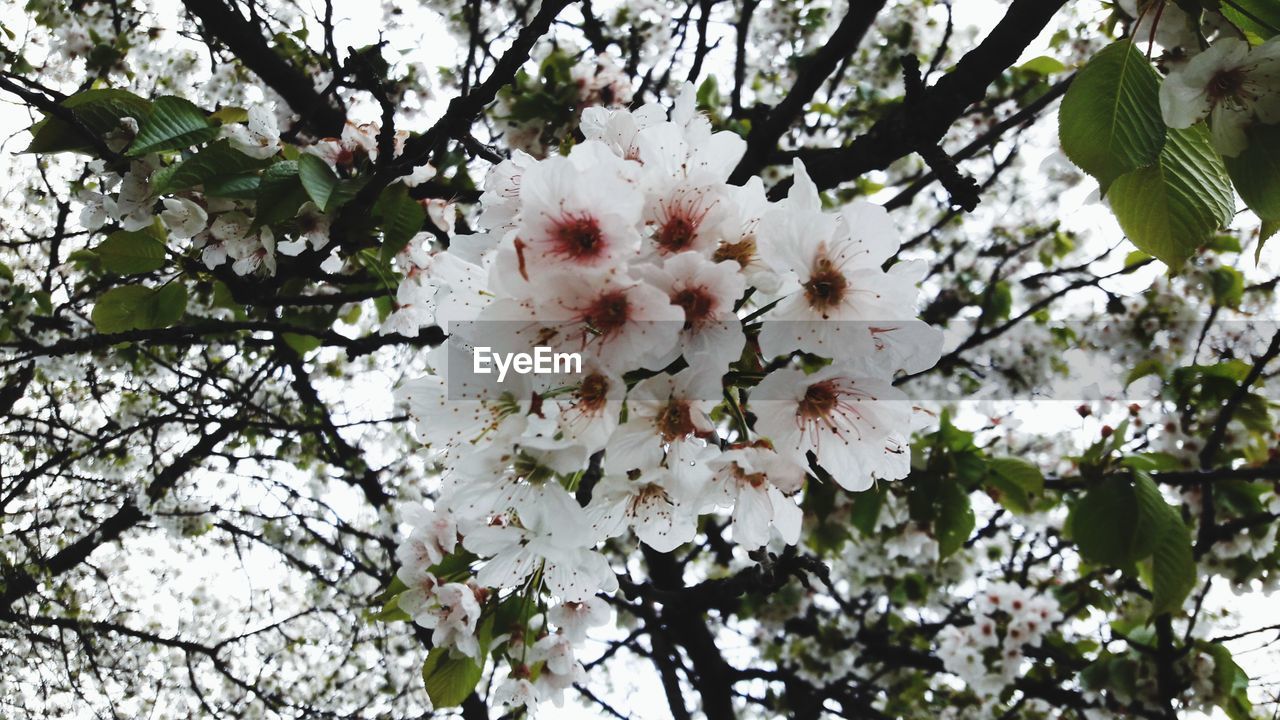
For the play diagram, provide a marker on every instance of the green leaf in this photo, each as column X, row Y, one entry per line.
column 1227, row 285
column 136, row 307
column 1173, row 566
column 317, row 179
column 218, row 160
column 449, row 678
column 239, row 187
column 301, row 344
column 1173, row 207
column 1104, row 528
column 1043, row 65
column 1148, row 366
column 126, row 253
column 1256, row 171
column 168, row 305
column 1260, row 18
column 1018, row 481
column 865, row 510
column 229, row 115
column 400, row 217
column 280, row 194
column 1110, row 122
column 100, row 111
column 174, row 124
column 119, row 308
column 955, row 519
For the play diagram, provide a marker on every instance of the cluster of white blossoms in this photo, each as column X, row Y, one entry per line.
column 224, row 229
column 987, row 655
column 729, row 344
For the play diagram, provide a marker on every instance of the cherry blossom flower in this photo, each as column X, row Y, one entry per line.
column 667, row 424
column 753, row 481
column 843, row 418
column 259, row 135
column 184, row 218
column 1229, row 84
column 707, row 291
column 574, row 619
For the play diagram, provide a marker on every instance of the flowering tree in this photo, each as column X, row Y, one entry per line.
column 862, row 399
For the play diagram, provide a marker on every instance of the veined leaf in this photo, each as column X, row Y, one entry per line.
column 1109, row 122
column 99, row 111
column 449, row 678
column 317, row 179
column 1173, row 207
column 215, row 161
column 126, row 253
column 174, row 124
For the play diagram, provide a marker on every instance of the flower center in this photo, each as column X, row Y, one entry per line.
column 697, row 304
column 675, row 421
column 742, row 252
column 577, row 237
column 593, row 392
column 820, row 399
column 608, row 313
column 826, row 287
column 676, row 234
column 1226, row 84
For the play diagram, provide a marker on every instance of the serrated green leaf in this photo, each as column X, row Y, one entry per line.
column 1109, row 123
column 168, row 305
column 127, row 253
column 280, row 193
column 1256, row 171
column 955, row 519
column 174, row 124
column 218, row 160
column 317, row 179
column 449, row 678
column 1173, row 207
column 1173, row 566
column 100, row 111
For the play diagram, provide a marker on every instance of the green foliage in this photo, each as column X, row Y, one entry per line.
column 1109, row 123
column 280, row 193
column 216, row 162
column 400, row 217
column 1230, row 683
column 127, row 253
column 449, row 678
column 98, row 111
column 1176, row 205
column 317, row 179
column 1019, row 482
column 174, row 124
column 1122, row 521
column 137, row 307
column 1259, row 19
column 1256, row 171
